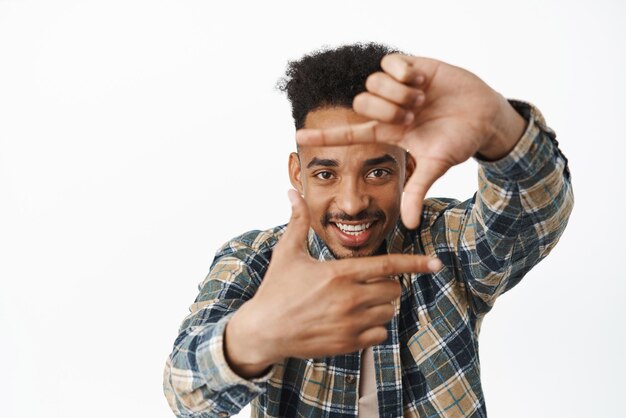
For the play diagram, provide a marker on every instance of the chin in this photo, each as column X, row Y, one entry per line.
column 351, row 252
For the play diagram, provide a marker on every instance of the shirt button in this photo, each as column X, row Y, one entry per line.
column 223, row 414
column 350, row 379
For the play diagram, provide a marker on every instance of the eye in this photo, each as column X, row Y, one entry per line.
column 378, row 173
column 324, row 175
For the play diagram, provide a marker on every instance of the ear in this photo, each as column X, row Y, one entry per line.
column 410, row 167
column 295, row 172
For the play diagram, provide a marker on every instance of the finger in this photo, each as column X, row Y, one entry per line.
column 379, row 293
column 376, row 315
column 378, row 279
column 383, row 85
column 401, row 68
column 374, row 107
column 372, row 336
column 363, row 133
column 295, row 235
column 365, row 268
column 411, row 70
column 427, row 171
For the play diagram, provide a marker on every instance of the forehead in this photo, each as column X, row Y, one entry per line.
column 330, row 117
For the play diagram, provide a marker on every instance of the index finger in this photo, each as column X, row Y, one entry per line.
column 362, row 133
column 364, row 268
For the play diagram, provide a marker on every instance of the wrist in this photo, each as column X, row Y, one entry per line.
column 246, row 348
column 508, row 128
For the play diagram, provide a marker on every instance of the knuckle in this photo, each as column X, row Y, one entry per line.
column 405, row 75
column 398, row 114
column 386, row 266
column 409, row 97
column 349, row 136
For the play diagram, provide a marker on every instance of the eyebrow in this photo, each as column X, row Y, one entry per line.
column 324, row 162
column 380, row 160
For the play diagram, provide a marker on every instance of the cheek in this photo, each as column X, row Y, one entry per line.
column 389, row 199
column 317, row 205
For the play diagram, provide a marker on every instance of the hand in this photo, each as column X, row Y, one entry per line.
column 441, row 114
column 307, row 308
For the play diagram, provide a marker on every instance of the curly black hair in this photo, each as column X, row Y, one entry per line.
column 330, row 77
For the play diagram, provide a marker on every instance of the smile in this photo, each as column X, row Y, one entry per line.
column 353, row 230
column 354, row 234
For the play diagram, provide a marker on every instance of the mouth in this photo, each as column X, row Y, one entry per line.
column 353, row 234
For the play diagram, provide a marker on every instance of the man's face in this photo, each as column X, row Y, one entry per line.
column 353, row 192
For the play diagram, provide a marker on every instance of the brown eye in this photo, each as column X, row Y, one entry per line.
column 378, row 173
column 324, row 175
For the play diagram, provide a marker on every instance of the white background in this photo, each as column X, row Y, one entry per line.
column 138, row 136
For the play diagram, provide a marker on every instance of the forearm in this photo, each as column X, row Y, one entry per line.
column 197, row 375
column 198, row 381
column 521, row 210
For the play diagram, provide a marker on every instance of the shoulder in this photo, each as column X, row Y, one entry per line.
column 247, row 255
column 439, row 215
column 255, row 241
column 436, row 207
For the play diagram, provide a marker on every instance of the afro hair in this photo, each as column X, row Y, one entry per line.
column 330, row 77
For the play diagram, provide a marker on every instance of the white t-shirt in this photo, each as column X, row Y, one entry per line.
column 368, row 395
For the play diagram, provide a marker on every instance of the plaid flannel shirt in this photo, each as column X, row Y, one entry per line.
column 429, row 364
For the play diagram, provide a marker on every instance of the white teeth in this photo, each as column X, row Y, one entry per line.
column 353, row 229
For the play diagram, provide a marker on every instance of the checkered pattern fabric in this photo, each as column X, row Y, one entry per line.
column 429, row 365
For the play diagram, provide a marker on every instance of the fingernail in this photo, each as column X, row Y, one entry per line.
column 419, row 99
column 408, row 118
column 434, row 264
column 419, row 79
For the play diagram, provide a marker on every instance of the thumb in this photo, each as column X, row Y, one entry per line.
column 295, row 236
column 427, row 171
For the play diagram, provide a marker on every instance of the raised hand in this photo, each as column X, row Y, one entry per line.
column 441, row 114
column 307, row 308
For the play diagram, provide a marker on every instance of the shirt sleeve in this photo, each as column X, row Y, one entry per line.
column 198, row 381
column 515, row 218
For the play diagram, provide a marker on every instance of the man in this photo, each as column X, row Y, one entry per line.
column 350, row 310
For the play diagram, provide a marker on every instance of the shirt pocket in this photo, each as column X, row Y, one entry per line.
column 450, row 371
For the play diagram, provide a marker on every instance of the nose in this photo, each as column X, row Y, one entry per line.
column 351, row 198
